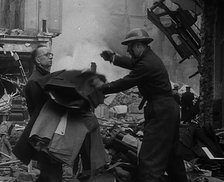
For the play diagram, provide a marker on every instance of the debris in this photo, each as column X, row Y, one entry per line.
column 9, row 162
column 5, row 103
column 6, row 155
column 25, row 177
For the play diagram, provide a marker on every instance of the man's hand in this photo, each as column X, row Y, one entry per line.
column 107, row 55
column 97, row 83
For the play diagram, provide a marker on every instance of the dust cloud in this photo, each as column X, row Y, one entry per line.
column 88, row 27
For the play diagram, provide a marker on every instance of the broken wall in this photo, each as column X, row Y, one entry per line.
column 207, row 62
column 12, row 14
column 31, row 16
column 179, row 73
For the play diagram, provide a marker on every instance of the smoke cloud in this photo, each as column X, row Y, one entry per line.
column 88, row 27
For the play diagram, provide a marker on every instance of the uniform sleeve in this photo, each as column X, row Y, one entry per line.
column 124, row 62
column 132, row 79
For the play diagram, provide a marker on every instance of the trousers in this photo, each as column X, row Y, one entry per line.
column 50, row 170
column 159, row 150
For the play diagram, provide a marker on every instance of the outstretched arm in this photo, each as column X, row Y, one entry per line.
column 124, row 62
column 118, row 60
column 132, row 79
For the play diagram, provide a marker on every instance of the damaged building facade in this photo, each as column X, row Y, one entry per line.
column 24, row 24
column 209, row 56
column 193, row 48
column 21, row 32
column 199, row 49
column 212, row 63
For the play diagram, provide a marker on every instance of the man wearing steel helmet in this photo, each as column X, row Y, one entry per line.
column 158, row 153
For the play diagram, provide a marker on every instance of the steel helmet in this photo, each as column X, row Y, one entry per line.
column 137, row 34
column 175, row 86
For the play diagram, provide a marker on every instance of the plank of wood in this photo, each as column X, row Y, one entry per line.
column 9, row 162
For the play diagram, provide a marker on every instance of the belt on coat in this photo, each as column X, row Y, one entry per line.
column 143, row 101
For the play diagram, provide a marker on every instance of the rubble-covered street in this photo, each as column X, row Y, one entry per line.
column 121, row 126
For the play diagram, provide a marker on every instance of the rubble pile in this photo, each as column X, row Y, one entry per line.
column 203, row 152
column 122, row 143
column 13, row 107
column 123, row 105
column 15, row 171
column 121, row 127
column 5, row 105
column 12, row 169
column 122, row 136
column 18, row 110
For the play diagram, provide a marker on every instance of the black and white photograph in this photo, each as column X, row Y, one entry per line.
column 111, row 91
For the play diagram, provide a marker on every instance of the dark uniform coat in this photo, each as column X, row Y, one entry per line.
column 35, row 99
column 186, row 106
column 159, row 148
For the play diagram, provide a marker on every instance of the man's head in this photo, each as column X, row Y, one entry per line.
column 175, row 88
column 136, row 40
column 42, row 57
column 188, row 88
column 135, row 49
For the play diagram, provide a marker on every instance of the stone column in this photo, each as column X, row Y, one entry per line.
column 207, row 62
